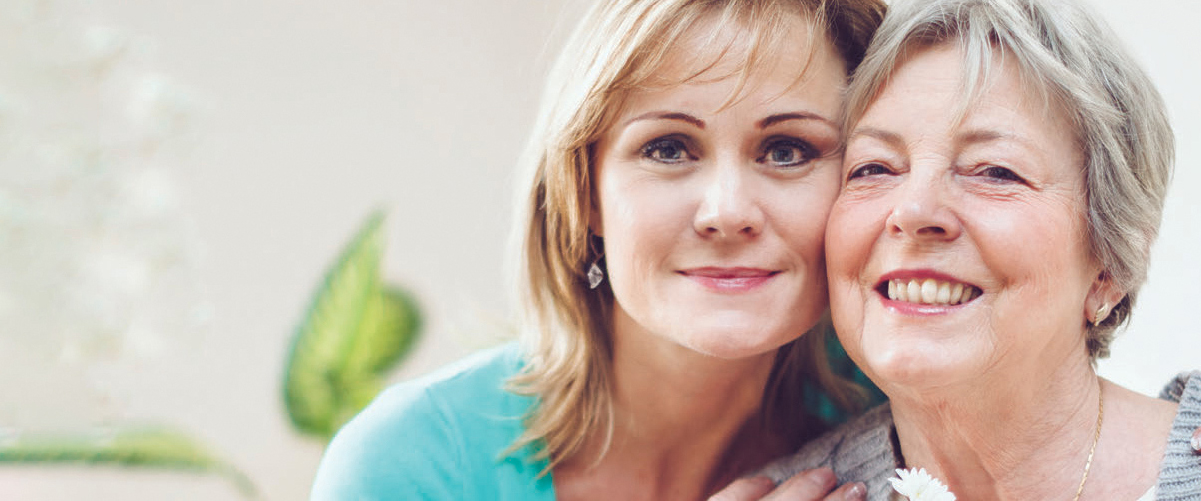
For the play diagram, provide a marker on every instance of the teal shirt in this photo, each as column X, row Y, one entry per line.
column 438, row 437
column 441, row 437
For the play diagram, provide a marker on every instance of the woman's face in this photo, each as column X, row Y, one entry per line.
column 958, row 247
column 713, row 214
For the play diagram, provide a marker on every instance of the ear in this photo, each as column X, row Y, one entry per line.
column 1103, row 293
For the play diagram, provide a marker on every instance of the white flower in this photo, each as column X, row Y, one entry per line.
column 917, row 485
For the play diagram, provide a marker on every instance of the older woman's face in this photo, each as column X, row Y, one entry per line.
column 713, row 216
column 957, row 248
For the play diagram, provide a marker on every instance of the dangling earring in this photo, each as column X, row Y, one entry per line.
column 1101, row 314
column 595, row 275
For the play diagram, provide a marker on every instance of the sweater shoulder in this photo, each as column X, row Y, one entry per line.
column 860, row 450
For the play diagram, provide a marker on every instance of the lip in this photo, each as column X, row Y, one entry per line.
column 918, row 309
column 729, row 279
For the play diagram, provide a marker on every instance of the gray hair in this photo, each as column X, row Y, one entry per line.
column 1074, row 59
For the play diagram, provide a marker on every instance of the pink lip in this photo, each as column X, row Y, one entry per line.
column 729, row 279
column 916, row 309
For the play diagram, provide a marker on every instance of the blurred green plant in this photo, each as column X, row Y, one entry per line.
column 356, row 329
column 142, row 447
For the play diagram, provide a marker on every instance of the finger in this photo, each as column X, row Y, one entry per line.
column 854, row 491
column 1196, row 441
column 745, row 489
column 811, row 485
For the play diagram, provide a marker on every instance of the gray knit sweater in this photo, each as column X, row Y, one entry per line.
column 865, row 449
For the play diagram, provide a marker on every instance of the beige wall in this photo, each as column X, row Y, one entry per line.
column 309, row 114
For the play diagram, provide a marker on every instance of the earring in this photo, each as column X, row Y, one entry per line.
column 595, row 275
column 1101, row 314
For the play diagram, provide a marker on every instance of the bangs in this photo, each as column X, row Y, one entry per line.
column 752, row 35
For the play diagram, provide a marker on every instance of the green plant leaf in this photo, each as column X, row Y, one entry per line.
column 144, row 447
column 355, row 329
column 378, row 347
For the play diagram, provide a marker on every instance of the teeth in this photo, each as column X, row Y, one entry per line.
column 930, row 291
column 944, row 293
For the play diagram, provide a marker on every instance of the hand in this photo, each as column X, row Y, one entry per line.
column 1196, row 441
column 809, row 485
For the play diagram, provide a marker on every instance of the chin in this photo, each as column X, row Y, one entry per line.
column 737, row 342
column 915, row 364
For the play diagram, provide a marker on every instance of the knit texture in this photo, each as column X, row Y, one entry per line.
column 861, row 450
column 1180, row 471
column 864, row 449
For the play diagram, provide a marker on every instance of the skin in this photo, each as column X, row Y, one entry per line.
column 997, row 395
column 713, row 219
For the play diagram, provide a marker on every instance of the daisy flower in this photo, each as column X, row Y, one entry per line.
column 917, row 485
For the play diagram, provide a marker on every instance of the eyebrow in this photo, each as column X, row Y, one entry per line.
column 892, row 138
column 700, row 124
column 668, row 115
column 784, row 117
column 971, row 136
column 986, row 135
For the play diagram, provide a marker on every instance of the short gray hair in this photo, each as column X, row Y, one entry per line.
column 1074, row 59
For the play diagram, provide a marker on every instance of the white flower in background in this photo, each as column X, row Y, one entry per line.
column 104, row 47
column 100, row 280
column 160, row 108
column 917, row 485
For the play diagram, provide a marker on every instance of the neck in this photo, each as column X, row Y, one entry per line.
column 685, row 424
column 994, row 437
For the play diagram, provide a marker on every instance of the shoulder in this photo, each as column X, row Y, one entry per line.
column 427, row 437
column 859, row 450
column 1180, row 470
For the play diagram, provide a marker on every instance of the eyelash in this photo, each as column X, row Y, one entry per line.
column 861, row 171
column 993, row 173
column 805, row 151
column 654, row 150
column 659, row 144
column 1002, row 174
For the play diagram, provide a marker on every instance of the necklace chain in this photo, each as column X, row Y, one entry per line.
column 1096, row 437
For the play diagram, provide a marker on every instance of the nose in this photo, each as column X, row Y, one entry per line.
column 729, row 207
column 922, row 212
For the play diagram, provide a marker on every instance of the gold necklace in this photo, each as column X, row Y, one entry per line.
column 1096, row 437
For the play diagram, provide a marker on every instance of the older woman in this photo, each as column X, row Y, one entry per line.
column 1004, row 177
column 680, row 179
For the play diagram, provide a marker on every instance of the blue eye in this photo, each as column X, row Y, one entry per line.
column 865, row 170
column 787, row 152
column 1001, row 174
column 668, row 150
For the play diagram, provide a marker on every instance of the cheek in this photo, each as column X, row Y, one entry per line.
column 803, row 213
column 1038, row 248
column 641, row 224
column 850, row 233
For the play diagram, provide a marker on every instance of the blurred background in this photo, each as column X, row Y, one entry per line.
column 177, row 177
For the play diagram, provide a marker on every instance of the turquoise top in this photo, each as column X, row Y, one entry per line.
column 442, row 436
column 438, row 437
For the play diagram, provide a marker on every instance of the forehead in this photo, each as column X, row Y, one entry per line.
column 790, row 55
column 967, row 91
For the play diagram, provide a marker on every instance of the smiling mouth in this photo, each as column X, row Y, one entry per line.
column 728, row 273
column 928, row 291
column 730, row 280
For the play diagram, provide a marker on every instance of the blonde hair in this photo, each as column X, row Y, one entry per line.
column 1074, row 59
column 619, row 45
